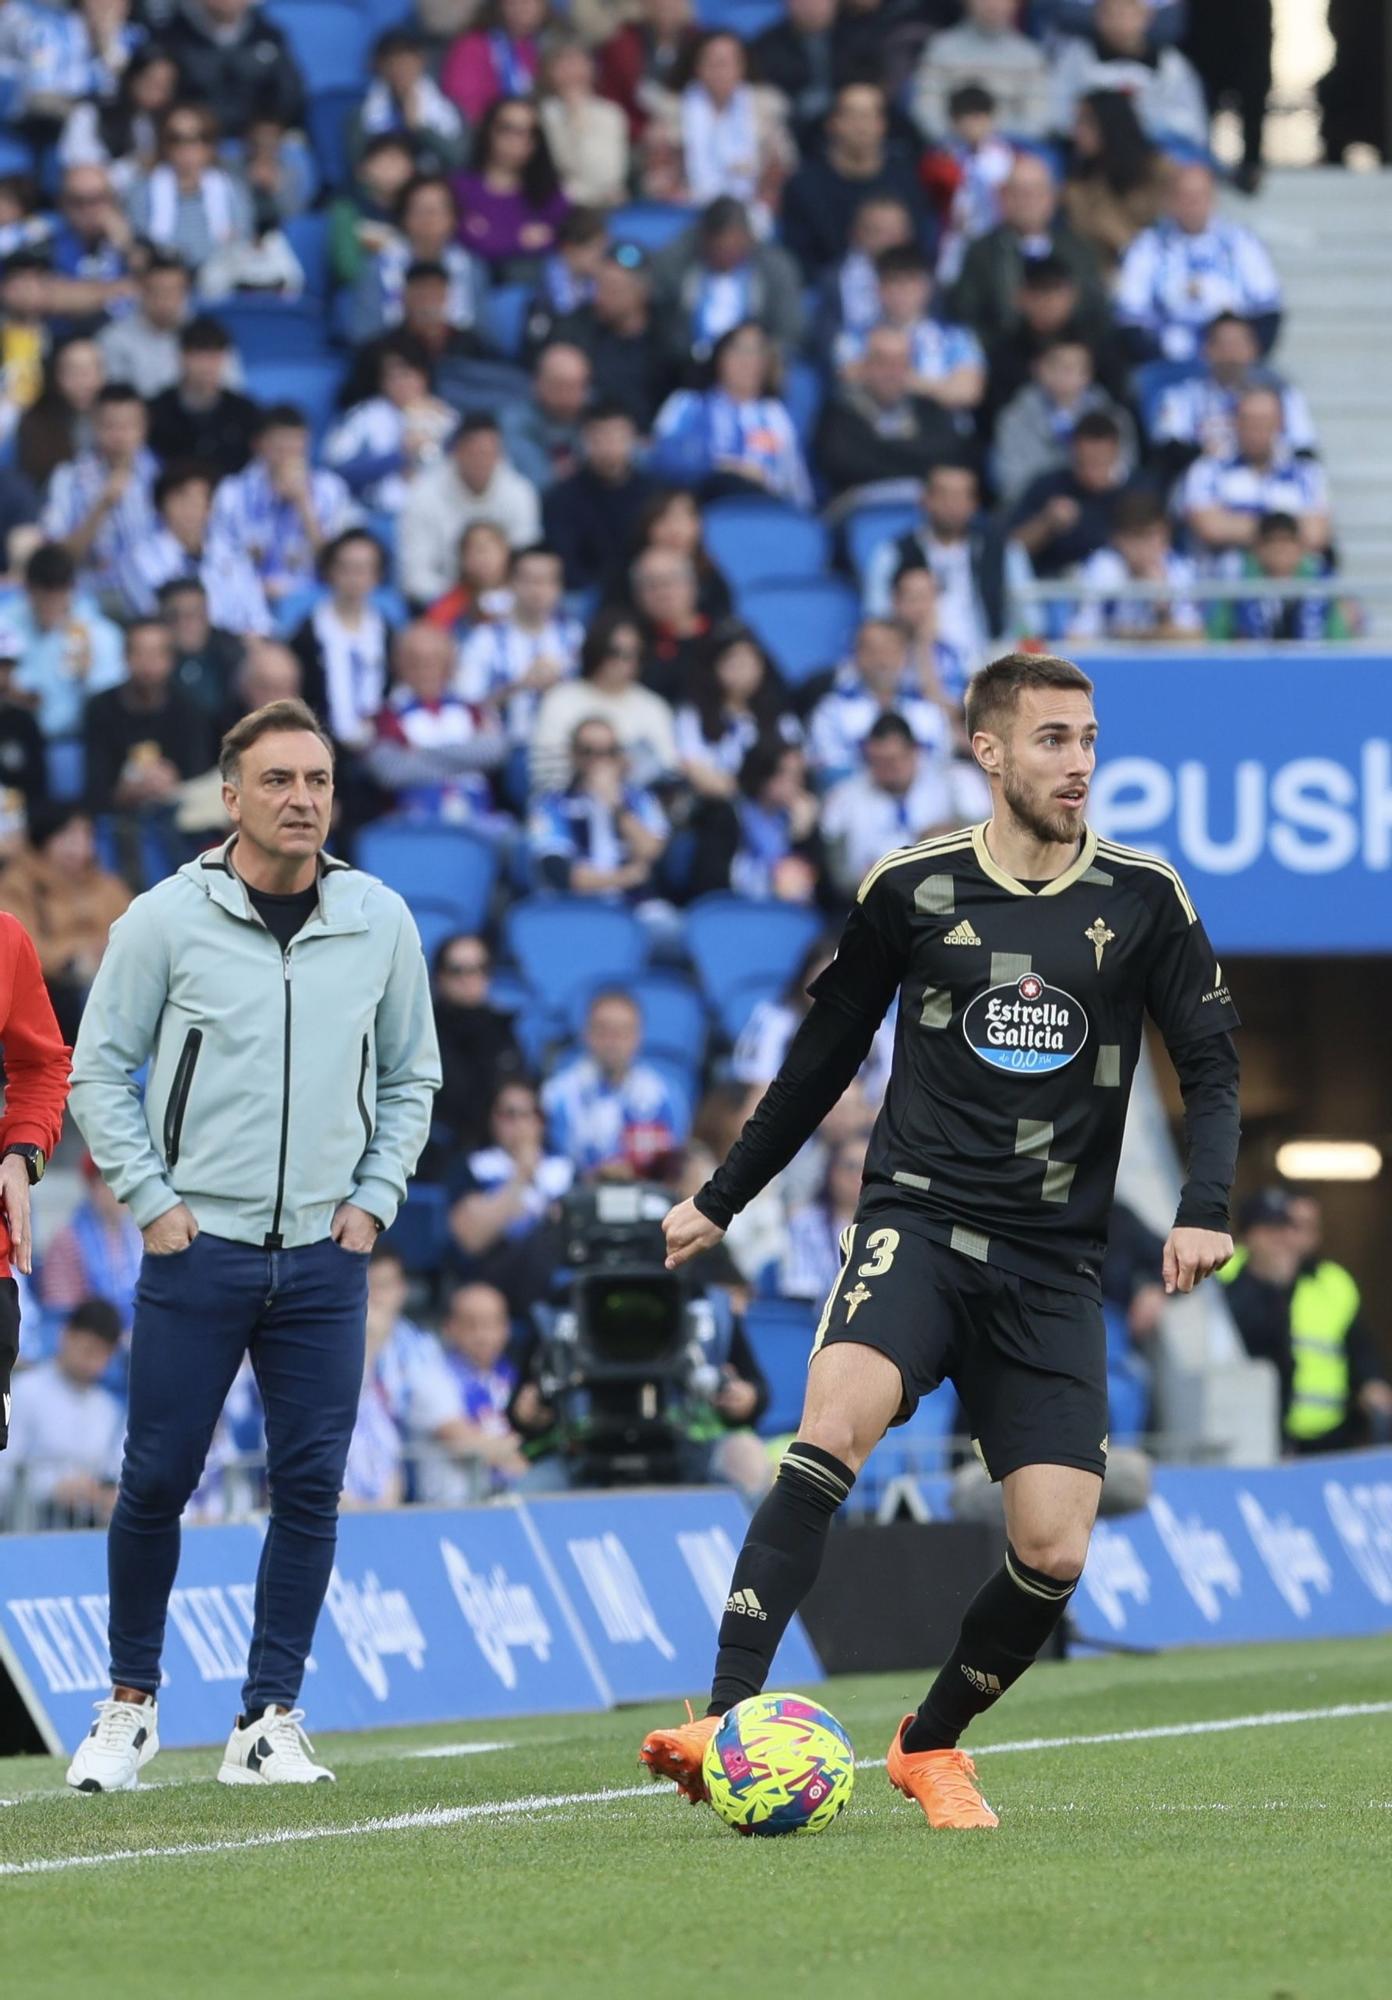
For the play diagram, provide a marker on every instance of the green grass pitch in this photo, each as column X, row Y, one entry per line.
column 1245, row 1864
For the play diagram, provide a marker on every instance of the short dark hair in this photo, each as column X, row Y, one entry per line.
column 903, row 260
column 474, row 424
column 607, row 411
column 889, row 727
column 426, row 268
column 118, row 392
column 542, row 549
column 581, row 226
column 1227, row 319
column 331, row 551
column 280, row 417
column 1138, row 510
column 164, row 260
column 288, row 714
column 1271, row 525
column 994, row 691
column 725, row 212
column 183, row 472
column 399, row 41
column 95, row 1316
column 179, row 586
column 971, row 100
column 1097, row 425
column 1047, row 274
column 50, row 568
column 205, row 335
column 383, row 1252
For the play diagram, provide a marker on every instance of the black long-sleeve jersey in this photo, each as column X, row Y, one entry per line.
column 1020, row 1021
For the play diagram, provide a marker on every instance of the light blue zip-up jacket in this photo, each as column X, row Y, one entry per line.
column 279, row 1084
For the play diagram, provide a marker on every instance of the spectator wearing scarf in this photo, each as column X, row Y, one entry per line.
column 501, row 58
column 186, row 205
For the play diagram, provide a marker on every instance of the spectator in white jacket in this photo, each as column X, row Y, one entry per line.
column 1162, row 84
column 473, row 482
column 905, row 792
column 986, row 48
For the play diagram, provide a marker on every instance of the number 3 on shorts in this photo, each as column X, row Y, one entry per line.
column 882, row 1246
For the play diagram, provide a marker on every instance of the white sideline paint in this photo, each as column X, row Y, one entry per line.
column 458, row 1749
column 445, row 1816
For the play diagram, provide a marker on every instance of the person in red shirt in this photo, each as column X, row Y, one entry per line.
column 36, row 1088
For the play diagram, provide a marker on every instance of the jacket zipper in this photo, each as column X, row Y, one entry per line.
column 179, row 1094
column 273, row 1241
column 362, row 1094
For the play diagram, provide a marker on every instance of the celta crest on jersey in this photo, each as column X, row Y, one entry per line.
column 1025, row 1026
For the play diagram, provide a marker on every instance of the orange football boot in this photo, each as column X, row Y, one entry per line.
column 677, row 1753
column 943, row 1782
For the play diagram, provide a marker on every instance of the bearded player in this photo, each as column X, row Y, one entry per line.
column 1024, row 953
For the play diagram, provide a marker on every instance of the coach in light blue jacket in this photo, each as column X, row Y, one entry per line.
column 281, row 1003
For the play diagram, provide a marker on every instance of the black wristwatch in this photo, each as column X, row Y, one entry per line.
column 34, row 1158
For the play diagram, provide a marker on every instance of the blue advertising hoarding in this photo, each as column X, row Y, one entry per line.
column 432, row 1615
column 1266, row 779
column 1221, row 1555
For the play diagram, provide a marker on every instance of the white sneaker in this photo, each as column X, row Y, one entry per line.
column 272, row 1750
column 124, row 1736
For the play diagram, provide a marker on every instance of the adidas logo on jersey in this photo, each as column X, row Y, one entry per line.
column 747, row 1602
column 962, row 934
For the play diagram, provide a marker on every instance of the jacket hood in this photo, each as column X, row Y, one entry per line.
column 343, row 891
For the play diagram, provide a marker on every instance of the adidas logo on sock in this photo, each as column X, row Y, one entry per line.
column 983, row 1683
column 747, row 1602
column 962, row 934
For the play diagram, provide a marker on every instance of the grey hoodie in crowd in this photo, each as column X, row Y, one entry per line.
column 279, row 1085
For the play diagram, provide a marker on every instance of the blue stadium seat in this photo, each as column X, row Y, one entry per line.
column 329, row 41
column 440, row 869
column 326, row 120
column 270, row 329
column 15, row 156
column 745, row 18
column 561, row 942
column 311, row 383
column 435, row 922
column 868, row 528
column 804, row 390
column 505, row 318
column 734, row 1006
column 754, row 540
column 807, row 623
column 650, row 224
column 930, row 1427
column 66, row 765
column 420, row 1234
column 674, row 1015
column 308, row 237
column 780, row 1332
column 734, row 940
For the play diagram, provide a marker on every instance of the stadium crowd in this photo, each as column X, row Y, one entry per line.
column 628, row 427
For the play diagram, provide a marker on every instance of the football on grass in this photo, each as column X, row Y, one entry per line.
column 779, row 1764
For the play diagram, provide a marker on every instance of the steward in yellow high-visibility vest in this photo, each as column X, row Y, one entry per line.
column 1302, row 1312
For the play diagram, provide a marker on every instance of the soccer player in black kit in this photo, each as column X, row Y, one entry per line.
column 1024, row 953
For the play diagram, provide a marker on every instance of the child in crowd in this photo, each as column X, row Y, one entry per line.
column 946, row 360
column 1140, row 550
column 963, row 177
column 1279, row 553
column 511, row 661
column 1037, row 425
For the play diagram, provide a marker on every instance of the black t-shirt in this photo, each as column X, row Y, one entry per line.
column 1020, row 1025
column 284, row 916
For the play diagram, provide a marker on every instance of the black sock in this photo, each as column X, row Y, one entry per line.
column 777, row 1567
column 1004, row 1630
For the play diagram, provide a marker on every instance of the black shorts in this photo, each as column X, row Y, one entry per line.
column 9, row 1350
column 1029, row 1362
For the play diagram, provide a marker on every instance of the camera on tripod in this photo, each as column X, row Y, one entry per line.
column 629, row 1358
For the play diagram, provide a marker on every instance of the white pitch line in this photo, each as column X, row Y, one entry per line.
column 458, row 1749
column 445, row 1816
